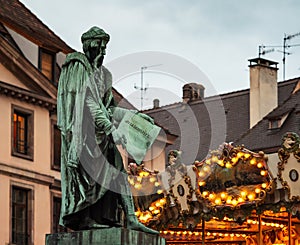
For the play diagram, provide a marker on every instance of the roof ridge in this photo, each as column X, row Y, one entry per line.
column 32, row 28
column 227, row 94
column 46, row 26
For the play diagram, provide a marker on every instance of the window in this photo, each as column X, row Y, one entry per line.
column 56, row 144
column 20, row 216
column 56, row 206
column 274, row 123
column 47, row 64
column 22, row 132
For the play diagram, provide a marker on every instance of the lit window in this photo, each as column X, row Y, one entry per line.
column 22, row 132
column 47, row 64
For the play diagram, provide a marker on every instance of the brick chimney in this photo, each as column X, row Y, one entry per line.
column 155, row 103
column 263, row 88
column 192, row 91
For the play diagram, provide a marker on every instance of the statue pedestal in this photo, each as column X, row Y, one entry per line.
column 109, row 236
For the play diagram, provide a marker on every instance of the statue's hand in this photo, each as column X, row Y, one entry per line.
column 118, row 138
column 146, row 117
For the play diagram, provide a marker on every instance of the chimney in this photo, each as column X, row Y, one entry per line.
column 155, row 103
column 263, row 88
column 192, row 91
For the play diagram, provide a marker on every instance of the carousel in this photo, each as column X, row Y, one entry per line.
column 231, row 197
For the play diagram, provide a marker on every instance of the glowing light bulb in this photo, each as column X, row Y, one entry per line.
column 253, row 161
column 264, row 185
column 208, row 161
column 247, row 155
column 243, row 193
column 259, row 165
column 251, row 196
column 234, row 202
column 221, row 163
column 205, row 193
column 234, row 160
column 159, row 191
column 218, row 201
column 201, row 174
column 152, row 179
column 263, row 172
column 240, row 154
column 228, row 165
column 162, row 201
column 257, row 190
column 211, row 196
column 214, row 158
column 228, row 201
column 201, row 183
column 223, row 195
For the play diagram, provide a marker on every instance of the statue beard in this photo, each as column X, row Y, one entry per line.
column 95, row 57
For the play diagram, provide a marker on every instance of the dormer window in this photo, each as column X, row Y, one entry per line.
column 277, row 122
column 47, row 63
column 274, row 123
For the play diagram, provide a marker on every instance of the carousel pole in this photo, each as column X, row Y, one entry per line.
column 203, row 231
column 260, row 235
column 290, row 227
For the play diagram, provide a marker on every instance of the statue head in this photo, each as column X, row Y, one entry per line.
column 94, row 44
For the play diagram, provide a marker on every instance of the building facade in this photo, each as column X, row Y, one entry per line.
column 30, row 59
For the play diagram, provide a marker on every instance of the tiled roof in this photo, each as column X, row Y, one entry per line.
column 8, row 37
column 17, row 17
column 196, row 145
column 261, row 137
column 121, row 101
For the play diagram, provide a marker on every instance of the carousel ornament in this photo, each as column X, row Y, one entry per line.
column 230, row 182
column 233, row 177
column 288, row 167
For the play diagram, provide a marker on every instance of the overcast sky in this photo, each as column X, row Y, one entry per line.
column 217, row 37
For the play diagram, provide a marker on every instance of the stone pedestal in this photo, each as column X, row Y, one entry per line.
column 109, row 236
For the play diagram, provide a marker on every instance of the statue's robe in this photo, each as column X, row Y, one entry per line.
column 90, row 161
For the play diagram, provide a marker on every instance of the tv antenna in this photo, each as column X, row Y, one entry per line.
column 262, row 51
column 142, row 88
column 286, row 46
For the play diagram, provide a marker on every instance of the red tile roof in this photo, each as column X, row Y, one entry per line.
column 17, row 17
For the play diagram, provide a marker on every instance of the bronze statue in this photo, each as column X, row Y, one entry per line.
column 93, row 178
